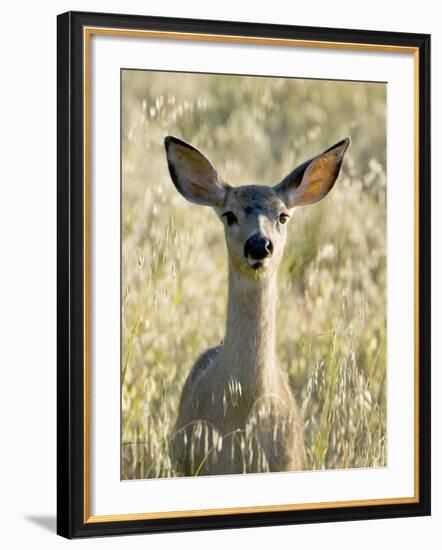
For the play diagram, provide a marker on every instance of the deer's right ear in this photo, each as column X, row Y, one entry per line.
column 193, row 175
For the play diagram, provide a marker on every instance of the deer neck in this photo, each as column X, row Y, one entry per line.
column 248, row 353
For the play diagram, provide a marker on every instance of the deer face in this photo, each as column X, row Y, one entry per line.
column 254, row 216
column 255, row 222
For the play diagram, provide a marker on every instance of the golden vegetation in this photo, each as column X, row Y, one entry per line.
column 331, row 333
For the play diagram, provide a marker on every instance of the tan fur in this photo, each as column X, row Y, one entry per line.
column 237, row 412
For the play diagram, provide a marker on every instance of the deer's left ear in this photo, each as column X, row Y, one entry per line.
column 312, row 180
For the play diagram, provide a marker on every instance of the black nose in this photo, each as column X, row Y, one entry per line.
column 258, row 247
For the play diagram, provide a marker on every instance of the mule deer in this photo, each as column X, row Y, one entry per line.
column 237, row 413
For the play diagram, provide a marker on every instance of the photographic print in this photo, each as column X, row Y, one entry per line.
column 253, row 274
column 243, row 274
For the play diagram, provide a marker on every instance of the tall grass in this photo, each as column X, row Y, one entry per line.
column 331, row 333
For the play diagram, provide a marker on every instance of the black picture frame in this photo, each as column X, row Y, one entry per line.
column 71, row 392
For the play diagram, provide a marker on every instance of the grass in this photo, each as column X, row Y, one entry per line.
column 331, row 333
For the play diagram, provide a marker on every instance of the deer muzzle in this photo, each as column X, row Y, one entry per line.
column 257, row 248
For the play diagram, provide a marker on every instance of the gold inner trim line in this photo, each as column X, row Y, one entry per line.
column 263, row 41
column 87, row 33
column 86, row 276
column 416, row 273
column 248, row 510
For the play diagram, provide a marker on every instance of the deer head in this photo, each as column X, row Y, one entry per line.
column 255, row 217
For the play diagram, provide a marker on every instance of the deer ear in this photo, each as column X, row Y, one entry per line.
column 193, row 175
column 311, row 181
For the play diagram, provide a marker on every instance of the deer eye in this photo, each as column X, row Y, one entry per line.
column 283, row 218
column 230, row 218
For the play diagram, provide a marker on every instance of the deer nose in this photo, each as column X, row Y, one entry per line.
column 258, row 247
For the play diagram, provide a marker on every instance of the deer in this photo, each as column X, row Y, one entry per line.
column 237, row 411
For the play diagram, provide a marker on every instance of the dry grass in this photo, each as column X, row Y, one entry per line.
column 331, row 314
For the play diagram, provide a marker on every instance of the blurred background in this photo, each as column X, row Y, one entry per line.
column 331, row 320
